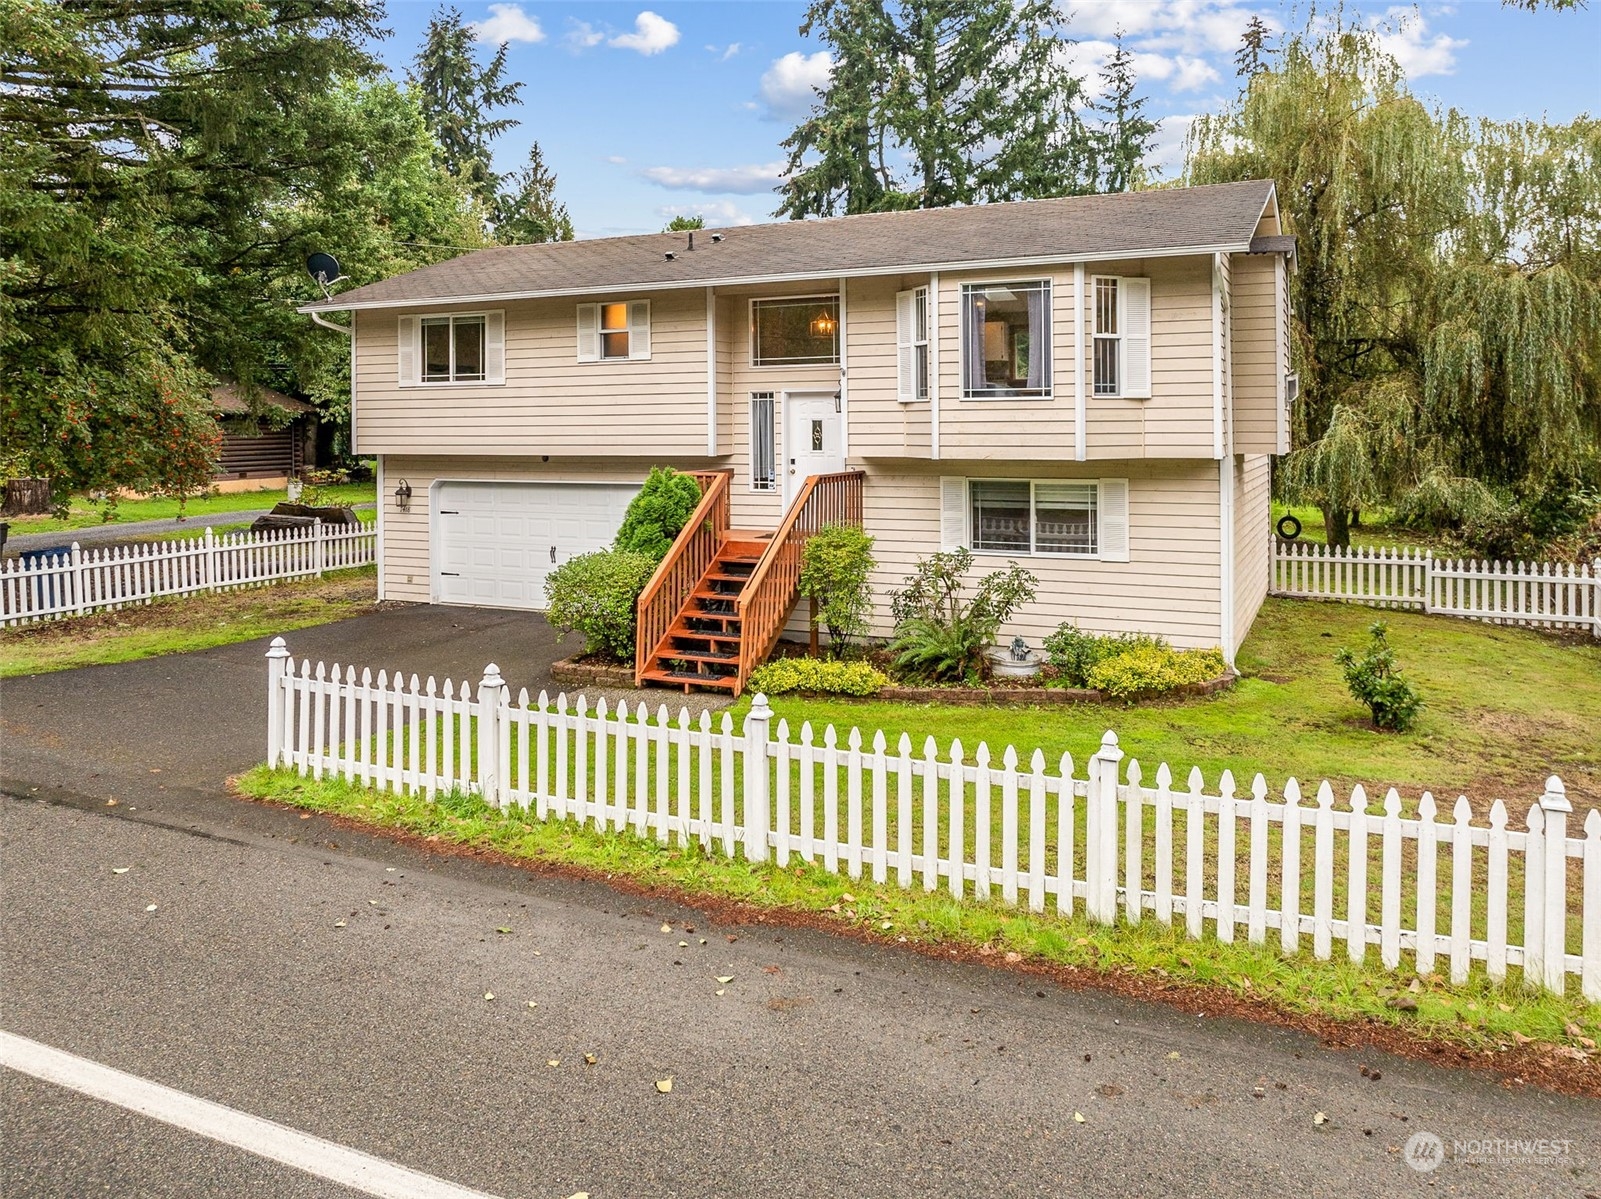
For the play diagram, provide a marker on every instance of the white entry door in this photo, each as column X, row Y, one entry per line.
column 814, row 438
column 495, row 543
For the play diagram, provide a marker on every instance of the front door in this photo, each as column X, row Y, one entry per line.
column 814, row 440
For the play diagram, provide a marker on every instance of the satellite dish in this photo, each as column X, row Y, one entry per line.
column 324, row 268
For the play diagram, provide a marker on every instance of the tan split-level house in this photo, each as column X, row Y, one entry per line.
column 1090, row 386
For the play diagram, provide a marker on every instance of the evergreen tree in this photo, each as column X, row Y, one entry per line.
column 457, row 97
column 528, row 211
column 1125, row 135
column 937, row 102
column 683, row 224
column 1251, row 58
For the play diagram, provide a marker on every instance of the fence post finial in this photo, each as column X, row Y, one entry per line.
column 1555, row 798
column 758, row 795
column 1555, row 806
column 491, row 690
column 277, row 656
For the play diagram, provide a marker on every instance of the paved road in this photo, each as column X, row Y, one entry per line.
column 827, row 1068
column 136, row 530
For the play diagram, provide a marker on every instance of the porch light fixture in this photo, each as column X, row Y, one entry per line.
column 403, row 496
column 824, row 324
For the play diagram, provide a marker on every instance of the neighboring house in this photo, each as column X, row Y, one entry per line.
column 257, row 451
column 1090, row 386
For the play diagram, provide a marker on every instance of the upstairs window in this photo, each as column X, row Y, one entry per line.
column 1121, row 355
column 453, row 349
column 614, row 331
column 911, row 343
column 1006, row 340
column 795, row 332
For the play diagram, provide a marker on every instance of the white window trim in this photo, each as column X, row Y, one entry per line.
column 750, row 415
column 919, row 295
column 490, row 317
column 1121, row 337
column 639, row 335
column 797, row 364
column 1101, row 553
column 967, row 285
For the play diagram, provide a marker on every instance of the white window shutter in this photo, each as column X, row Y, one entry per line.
column 905, row 348
column 408, row 342
column 589, row 333
column 1134, row 296
column 494, row 347
column 639, row 329
column 952, row 513
column 1112, row 506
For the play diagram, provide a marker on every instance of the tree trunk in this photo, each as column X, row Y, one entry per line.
column 26, row 497
column 1356, row 518
column 1337, row 526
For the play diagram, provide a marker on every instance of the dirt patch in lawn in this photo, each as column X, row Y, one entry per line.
column 1540, row 1065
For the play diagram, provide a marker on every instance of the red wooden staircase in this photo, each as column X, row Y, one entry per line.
column 716, row 605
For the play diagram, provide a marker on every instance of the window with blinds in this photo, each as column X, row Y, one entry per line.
column 763, row 448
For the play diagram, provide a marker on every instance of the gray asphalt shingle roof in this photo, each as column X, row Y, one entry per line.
column 1123, row 225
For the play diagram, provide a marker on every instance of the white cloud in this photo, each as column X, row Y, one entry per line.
column 616, row 159
column 746, row 180
column 1405, row 35
column 581, row 35
column 789, row 85
column 652, row 34
column 507, row 23
column 1167, row 149
column 724, row 53
column 718, row 213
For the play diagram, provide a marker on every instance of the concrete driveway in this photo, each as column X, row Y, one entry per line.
column 184, row 723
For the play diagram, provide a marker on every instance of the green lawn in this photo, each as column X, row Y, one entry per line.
column 1506, row 708
column 85, row 513
column 1375, row 531
column 189, row 622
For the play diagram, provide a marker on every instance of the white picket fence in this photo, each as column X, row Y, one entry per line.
column 1543, row 594
column 77, row 581
column 1446, row 892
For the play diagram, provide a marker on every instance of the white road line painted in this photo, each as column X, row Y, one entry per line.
column 348, row 1167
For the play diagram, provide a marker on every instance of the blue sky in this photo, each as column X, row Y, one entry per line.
column 649, row 111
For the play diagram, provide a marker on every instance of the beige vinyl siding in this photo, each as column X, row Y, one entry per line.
column 1170, row 585
column 550, row 403
column 405, row 552
column 1256, row 353
column 881, row 426
column 1176, row 421
column 1253, row 540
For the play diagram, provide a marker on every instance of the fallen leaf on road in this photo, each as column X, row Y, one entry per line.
column 1078, row 1118
column 725, row 978
column 553, row 1062
column 489, row 994
column 720, row 991
column 703, row 940
column 665, row 1085
column 111, row 803
column 531, row 1003
column 1320, row 1119
column 590, row 1059
column 339, row 924
column 770, row 970
column 667, row 928
column 150, row 908
column 1174, row 1056
column 536, row 953
column 503, row 930
column 119, row 870
column 579, row 1195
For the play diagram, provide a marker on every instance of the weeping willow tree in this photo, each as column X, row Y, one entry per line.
column 1448, row 302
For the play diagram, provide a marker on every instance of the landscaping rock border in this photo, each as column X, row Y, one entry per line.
column 580, row 671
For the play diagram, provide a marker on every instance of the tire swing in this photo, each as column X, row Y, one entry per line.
column 1289, row 528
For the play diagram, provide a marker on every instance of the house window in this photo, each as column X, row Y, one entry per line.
column 795, row 332
column 1121, row 329
column 615, row 331
column 911, row 340
column 763, row 450
column 453, row 349
column 1006, row 340
column 1034, row 518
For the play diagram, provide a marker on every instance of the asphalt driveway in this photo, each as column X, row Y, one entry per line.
column 180, row 725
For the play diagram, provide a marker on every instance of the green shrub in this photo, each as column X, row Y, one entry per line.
column 1074, row 653
column 1374, row 679
column 1151, row 669
column 595, row 594
column 835, row 564
column 811, row 674
column 939, row 633
column 657, row 514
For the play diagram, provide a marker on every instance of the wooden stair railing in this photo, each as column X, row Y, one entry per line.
column 678, row 573
column 766, row 601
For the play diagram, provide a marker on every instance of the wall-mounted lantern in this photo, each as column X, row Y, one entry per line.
column 403, row 496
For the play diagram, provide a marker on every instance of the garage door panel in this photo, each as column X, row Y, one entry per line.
column 495, row 540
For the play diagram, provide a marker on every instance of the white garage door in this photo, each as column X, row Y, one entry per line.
column 496, row 542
